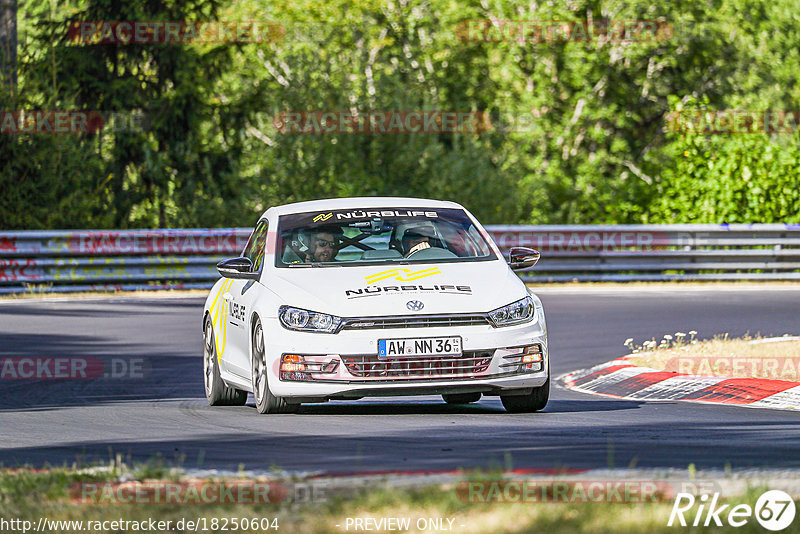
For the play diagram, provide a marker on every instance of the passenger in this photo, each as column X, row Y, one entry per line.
column 415, row 239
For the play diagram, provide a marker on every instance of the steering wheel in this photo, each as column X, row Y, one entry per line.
column 417, row 248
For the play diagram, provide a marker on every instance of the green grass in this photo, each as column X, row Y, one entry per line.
column 27, row 494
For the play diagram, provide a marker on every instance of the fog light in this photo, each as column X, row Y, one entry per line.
column 532, row 358
column 524, row 359
column 293, row 368
column 292, row 363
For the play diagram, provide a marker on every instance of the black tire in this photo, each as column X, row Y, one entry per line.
column 266, row 402
column 461, row 398
column 532, row 402
column 217, row 393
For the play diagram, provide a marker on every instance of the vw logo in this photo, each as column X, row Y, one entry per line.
column 414, row 305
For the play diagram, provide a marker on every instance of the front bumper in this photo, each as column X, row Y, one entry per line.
column 347, row 355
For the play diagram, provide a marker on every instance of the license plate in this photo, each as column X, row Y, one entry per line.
column 419, row 346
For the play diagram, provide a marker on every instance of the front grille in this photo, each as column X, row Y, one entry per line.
column 415, row 321
column 370, row 366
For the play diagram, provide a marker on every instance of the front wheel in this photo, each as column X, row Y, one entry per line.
column 533, row 402
column 266, row 402
column 217, row 393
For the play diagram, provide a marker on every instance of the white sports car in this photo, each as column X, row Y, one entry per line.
column 345, row 298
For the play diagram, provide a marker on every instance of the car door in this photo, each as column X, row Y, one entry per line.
column 241, row 295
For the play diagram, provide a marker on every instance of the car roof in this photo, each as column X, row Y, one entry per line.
column 359, row 203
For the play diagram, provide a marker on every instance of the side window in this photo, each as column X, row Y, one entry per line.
column 255, row 248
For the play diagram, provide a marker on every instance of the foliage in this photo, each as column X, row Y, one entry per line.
column 588, row 140
column 732, row 179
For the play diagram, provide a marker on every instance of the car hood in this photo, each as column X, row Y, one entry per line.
column 388, row 289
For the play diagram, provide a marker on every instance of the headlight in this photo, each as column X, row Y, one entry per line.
column 308, row 321
column 518, row 312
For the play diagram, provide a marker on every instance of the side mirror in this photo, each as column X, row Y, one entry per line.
column 522, row 258
column 240, row 268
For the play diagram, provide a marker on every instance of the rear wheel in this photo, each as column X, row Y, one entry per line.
column 266, row 402
column 533, row 402
column 217, row 393
column 461, row 398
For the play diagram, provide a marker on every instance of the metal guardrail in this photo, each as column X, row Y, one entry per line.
column 89, row 260
column 99, row 260
column 658, row 252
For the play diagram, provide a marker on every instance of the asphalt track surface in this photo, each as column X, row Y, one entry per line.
column 60, row 422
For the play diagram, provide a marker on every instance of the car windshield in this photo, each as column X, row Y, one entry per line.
column 379, row 235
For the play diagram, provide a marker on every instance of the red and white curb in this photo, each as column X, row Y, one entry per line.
column 621, row 379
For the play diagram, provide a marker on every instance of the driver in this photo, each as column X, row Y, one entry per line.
column 322, row 246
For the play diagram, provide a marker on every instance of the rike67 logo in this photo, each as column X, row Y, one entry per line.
column 774, row 510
